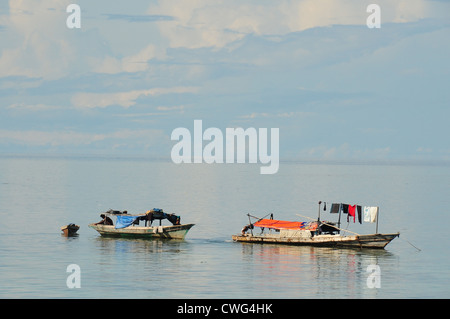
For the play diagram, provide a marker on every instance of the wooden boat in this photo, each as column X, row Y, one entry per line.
column 314, row 233
column 127, row 225
column 70, row 229
column 303, row 238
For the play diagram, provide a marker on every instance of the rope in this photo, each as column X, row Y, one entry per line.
column 410, row 244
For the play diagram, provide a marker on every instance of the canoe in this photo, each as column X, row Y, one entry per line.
column 70, row 229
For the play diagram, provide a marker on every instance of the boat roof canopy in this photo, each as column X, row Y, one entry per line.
column 158, row 212
column 279, row 224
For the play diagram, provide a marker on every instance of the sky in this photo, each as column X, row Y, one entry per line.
column 137, row 70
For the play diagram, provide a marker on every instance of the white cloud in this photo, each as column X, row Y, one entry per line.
column 130, row 64
column 205, row 23
column 71, row 138
column 344, row 151
column 93, row 100
column 275, row 115
column 179, row 108
column 42, row 138
column 40, row 47
column 124, row 99
column 32, row 107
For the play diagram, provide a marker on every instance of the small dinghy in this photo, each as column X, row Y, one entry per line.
column 70, row 230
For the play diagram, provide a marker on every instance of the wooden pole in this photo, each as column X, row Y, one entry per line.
column 378, row 214
column 250, row 223
column 339, row 219
column 318, row 217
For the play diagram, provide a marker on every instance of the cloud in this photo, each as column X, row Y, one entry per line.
column 37, row 43
column 130, row 64
column 139, row 18
column 310, row 67
column 216, row 24
column 177, row 108
column 140, row 138
column 124, row 99
column 344, row 151
column 32, row 107
column 42, row 138
column 39, row 47
column 275, row 115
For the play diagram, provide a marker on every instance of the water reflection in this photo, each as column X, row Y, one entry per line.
column 70, row 237
column 315, row 271
column 108, row 245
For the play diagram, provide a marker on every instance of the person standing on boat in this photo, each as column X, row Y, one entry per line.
column 105, row 220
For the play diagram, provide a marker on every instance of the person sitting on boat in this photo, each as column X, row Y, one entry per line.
column 174, row 219
column 246, row 228
column 105, row 220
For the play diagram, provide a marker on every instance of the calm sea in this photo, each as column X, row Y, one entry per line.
column 39, row 195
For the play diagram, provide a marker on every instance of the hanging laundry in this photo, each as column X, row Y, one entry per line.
column 358, row 208
column 335, row 208
column 373, row 214
column 370, row 214
column 351, row 212
column 366, row 214
column 345, row 208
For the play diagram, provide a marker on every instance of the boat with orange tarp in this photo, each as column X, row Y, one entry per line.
column 312, row 233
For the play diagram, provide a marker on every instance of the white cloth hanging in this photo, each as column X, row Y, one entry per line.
column 370, row 214
column 373, row 214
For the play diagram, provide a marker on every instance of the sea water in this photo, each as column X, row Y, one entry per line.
column 39, row 195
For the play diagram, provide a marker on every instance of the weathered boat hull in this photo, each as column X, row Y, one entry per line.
column 378, row 241
column 155, row 232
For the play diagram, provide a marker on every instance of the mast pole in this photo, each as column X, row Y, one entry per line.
column 339, row 219
column 378, row 215
column 318, row 217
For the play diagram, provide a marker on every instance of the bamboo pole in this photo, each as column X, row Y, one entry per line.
column 250, row 223
column 378, row 215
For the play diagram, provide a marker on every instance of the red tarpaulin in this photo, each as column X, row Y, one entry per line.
column 278, row 224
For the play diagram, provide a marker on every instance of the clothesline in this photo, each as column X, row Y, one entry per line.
column 334, row 226
column 368, row 214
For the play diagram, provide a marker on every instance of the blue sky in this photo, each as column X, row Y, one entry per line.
column 137, row 70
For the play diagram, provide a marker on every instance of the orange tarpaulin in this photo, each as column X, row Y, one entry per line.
column 282, row 224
